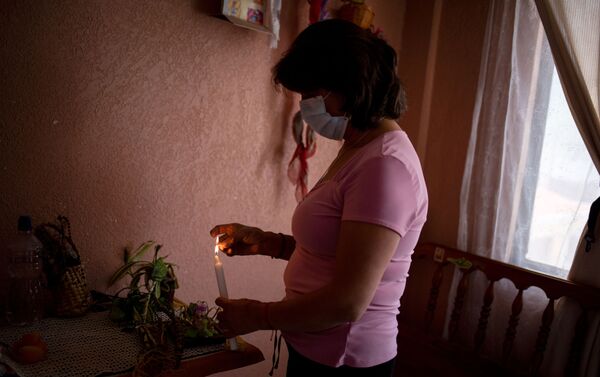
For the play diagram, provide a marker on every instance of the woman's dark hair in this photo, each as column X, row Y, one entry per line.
column 339, row 56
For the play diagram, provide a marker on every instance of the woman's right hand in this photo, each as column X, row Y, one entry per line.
column 238, row 239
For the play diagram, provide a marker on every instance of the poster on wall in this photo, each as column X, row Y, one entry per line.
column 251, row 14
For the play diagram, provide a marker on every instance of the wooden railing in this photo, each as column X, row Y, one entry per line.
column 429, row 314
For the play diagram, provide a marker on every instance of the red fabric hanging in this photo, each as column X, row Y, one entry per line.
column 306, row 145
column 317, row 11
column 314, row 11
column 305, row 148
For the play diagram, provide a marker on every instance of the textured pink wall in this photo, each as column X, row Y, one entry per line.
column 151, row 120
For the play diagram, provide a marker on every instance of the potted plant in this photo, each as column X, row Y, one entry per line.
column 164, row 324
column 151, row 288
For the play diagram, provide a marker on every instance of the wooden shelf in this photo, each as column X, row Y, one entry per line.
column 220, row 361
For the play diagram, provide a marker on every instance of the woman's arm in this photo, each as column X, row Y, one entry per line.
column 362, row 255
column 287, row 244
column 238, row 239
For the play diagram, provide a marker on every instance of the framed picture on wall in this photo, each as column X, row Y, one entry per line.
column 251, row 14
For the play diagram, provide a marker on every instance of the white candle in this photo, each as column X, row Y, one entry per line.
column 220, row 273
column 222, row 286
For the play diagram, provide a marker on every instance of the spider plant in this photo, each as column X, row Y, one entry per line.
column 151, row 289
column 150, row 293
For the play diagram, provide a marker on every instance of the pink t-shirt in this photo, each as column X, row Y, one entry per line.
column 382, row 184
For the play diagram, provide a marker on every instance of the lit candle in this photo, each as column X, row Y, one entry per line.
column 219, row 271
column 222, row 285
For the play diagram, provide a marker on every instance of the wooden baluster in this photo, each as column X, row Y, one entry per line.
column 459, row 300
column 434, row 292
column 484, row 316
column 511, row 330
column 542, row 338
column 577, row 343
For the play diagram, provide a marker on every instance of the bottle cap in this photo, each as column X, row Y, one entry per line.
column 24, row 224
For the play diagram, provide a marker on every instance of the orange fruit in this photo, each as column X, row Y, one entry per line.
column 30, row 354
column 31, row 339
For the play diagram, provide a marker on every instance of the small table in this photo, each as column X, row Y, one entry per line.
column 92, row 345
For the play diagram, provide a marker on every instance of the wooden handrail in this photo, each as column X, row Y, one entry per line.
column 555, row 288
column 442, row 259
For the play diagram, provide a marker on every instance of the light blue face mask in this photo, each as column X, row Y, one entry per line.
column 316, row 116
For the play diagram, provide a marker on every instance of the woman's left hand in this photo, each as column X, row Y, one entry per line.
column 239, row 317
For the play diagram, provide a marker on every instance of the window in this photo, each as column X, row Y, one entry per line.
column 529, row 180
column 564, row 185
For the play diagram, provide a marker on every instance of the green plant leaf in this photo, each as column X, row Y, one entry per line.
column 172, row 276
column 461, row 263
column 148, row 278
column 159, row 270
column 190, row 332
column 156, row 250
column 135, row 280
column 122, row 271
column 141, row 250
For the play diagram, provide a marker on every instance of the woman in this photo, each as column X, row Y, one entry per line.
column 354, row 233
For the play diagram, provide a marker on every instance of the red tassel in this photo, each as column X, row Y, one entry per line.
column 298, row 165
column 315, row 10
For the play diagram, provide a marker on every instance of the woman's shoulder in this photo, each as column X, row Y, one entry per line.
column 394, row 145
column 391, row 151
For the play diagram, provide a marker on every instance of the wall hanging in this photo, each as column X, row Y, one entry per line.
column 306, row 147
column 259, row 15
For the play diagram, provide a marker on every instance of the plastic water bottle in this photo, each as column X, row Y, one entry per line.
column 26, row 278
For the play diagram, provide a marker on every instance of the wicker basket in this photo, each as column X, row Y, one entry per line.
column 62, row 265
column 72, row 297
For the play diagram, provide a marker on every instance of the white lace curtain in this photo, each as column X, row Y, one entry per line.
column 505, row 146
column 573, row 30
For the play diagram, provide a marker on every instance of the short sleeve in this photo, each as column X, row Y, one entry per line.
column 384, row 192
